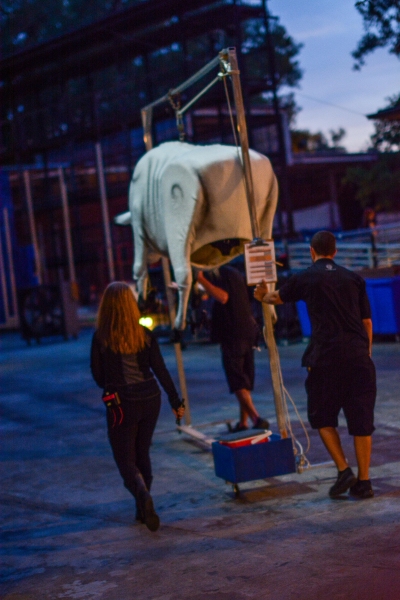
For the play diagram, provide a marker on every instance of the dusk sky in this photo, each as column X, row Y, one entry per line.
column 330, row 30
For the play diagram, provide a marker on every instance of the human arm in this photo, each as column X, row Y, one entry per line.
column 216, row 292
column 96, row 362
column 262, row 294
column 367, row 323
column 160, row 370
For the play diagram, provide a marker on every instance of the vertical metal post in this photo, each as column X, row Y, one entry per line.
column 244, row 142
column 275, row 370
column 177, row 347
column 32, row 227
column 10, row 265
column 104, row 211
column 268, row 328
column 3, row 281
column 147, row 116
column 67, row 225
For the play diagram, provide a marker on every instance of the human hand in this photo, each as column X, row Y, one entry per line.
column 179, row 412
column 199, row 276
column 260, row 290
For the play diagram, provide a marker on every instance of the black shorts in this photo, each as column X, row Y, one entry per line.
column 347, row 386
column 239, row 369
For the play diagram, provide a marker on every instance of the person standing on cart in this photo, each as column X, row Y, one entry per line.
column 235, row 329
column 341, row 374
column 125, row 361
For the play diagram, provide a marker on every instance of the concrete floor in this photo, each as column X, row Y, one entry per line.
column 68, row 527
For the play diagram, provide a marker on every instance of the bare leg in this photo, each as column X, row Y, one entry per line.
column 363, row 447
column 332, row 443
column 247, row 408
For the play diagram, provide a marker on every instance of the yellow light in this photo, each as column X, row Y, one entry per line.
column 146, row 322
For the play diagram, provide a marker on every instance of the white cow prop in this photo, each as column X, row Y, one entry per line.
column 183, row 199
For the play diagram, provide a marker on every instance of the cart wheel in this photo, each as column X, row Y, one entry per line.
column 236, row 490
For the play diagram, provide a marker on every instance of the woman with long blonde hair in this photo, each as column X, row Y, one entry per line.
column 125, row 356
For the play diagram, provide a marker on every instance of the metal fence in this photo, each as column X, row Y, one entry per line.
column 378, row 247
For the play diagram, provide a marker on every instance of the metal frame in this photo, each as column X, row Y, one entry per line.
column 227, row 60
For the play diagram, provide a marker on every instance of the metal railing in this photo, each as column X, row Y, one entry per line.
column 362, row 249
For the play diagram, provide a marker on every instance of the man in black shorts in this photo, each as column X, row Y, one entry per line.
column 341, row 374
column 234, row 327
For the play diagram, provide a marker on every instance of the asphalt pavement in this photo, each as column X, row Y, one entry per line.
column 68, row 524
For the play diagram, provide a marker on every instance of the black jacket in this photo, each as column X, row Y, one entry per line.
column 132, row 375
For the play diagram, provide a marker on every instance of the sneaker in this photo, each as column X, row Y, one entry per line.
column 261, row 424
column 238, row 427
column 344, row 481
column 362, row 489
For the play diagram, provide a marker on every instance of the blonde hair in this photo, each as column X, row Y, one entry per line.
column 118, row 325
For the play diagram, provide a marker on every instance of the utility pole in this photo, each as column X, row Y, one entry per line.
column 279, row 127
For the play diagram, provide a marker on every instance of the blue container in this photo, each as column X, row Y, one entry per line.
column 258, row 461
column 384, row 298
column 304, row 318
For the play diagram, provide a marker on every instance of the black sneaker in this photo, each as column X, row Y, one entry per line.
column 261, row 424
column 238, row 427
column 344, row 481
column 362, row 489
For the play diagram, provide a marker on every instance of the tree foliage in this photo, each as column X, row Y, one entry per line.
column 387, row 133
column 286, row 50
column 382, row 28
column 305, row 141
column 377, row 186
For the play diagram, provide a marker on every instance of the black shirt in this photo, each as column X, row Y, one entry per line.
column 337, row 303
column 131, row 375
column 232, row 323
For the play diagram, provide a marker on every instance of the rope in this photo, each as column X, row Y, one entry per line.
column 231, row 116
column 285, row 395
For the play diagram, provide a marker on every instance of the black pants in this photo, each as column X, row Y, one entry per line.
column 130, row 441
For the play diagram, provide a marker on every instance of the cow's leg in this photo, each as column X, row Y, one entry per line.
column 140, row 272
column 183, row 278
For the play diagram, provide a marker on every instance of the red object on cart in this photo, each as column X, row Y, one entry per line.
column 259, row 438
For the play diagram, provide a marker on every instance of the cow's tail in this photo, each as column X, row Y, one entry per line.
column 123, row 218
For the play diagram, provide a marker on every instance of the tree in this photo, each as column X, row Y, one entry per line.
column 305, row 141
column 382, row 28
column 378, row 186
column 288, row 70
column 387, row 132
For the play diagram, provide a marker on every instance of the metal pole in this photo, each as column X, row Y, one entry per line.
column 104, row 211
column 244, row 142
column 268, row 328
column 11, row 264
column 32, row 227
column 177, row 347
column 67, row 225
column 275, row 370
column 147, row 114
column 4, row 284
column 147, row 117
